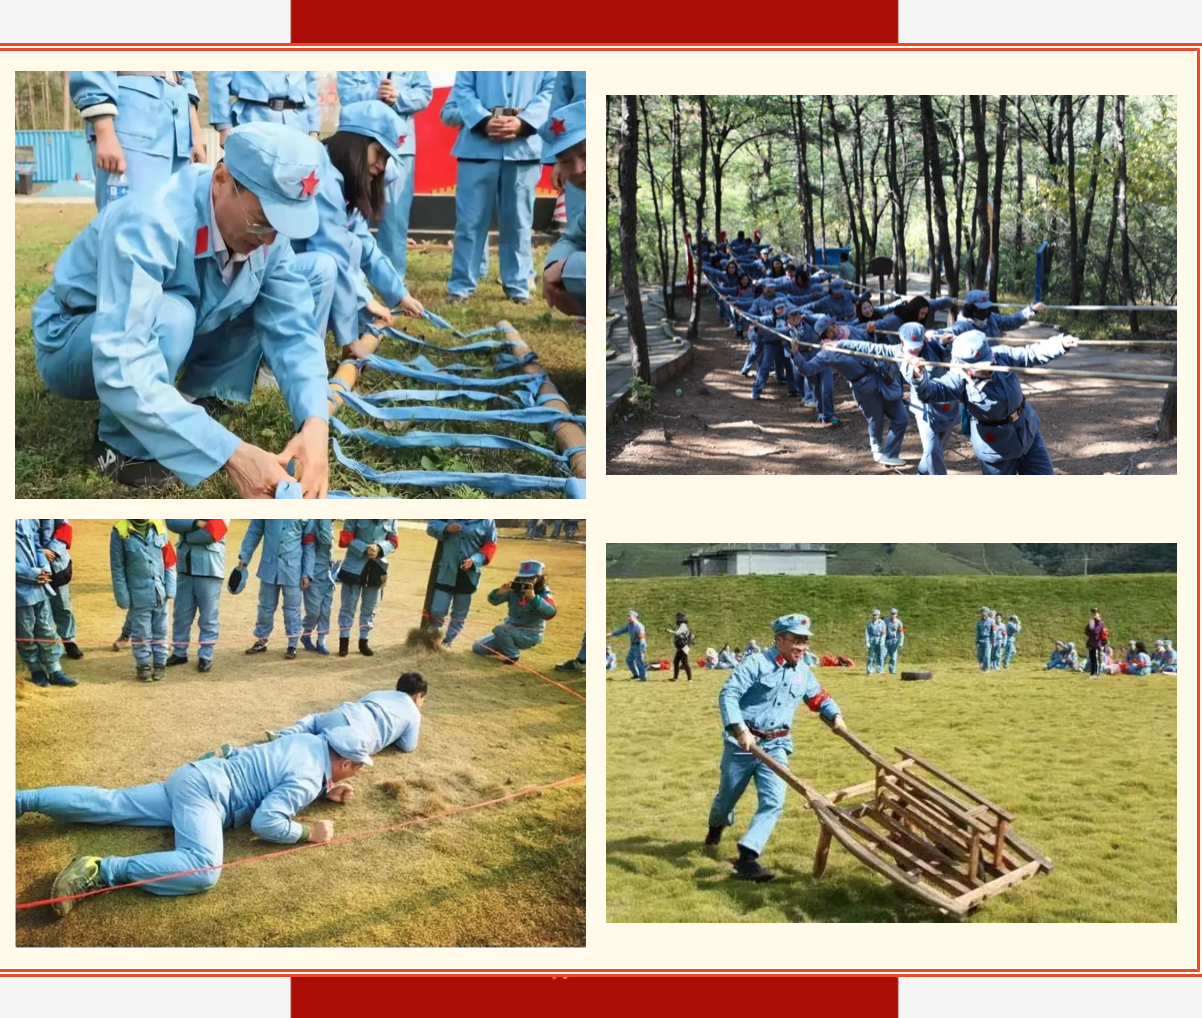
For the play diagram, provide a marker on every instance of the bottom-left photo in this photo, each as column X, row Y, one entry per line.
column 296, row 733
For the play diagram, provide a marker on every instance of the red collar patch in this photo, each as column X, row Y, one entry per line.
column 401, row 140
column 202, row 240
column 309, row 184
column 558, row 127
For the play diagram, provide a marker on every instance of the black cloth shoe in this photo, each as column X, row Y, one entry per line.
column 344, row 646
column 175, row 659
column 72, row 650
column 365, row 650
column 747, row 867
column 714, row 836
column 203, row 665
column 290, row 654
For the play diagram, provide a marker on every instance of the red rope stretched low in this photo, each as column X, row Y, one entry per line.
column 300, row 848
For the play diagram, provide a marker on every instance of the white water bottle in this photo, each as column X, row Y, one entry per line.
column 118, row 187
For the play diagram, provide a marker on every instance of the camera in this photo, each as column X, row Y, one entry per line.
column 505, row 111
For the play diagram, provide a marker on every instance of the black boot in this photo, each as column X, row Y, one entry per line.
column 714, row 836
column 344, row 646
column 747, row 867
column 365, row 650
column 72, row 650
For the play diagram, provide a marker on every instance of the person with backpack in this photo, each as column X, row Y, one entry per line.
column 56, row 546
column 1096, row 637
column 37, row 641
column 683, row 639
column 368, row 544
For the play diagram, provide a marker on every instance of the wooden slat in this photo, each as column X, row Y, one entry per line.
column 979, row 894
column 936, row 859
column 959, row 785
column 923, row 868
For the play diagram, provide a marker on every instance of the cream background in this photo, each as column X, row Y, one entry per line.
column 687, row 510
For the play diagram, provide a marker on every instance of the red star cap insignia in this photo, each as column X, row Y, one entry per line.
column 990, row 436
column 557, row 126
column 946, row 407
column 309, row 184
column 401, row 140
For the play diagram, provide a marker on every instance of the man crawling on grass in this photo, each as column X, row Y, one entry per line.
column 266, row 785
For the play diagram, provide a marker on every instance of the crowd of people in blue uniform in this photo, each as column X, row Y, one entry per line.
column 1137, row 661
column 194, row 282
column 805, row 326
column 169, row 576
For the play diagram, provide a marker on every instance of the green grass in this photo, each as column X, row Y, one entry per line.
column 1087, row 766
column 512, row 874
column 53, row 435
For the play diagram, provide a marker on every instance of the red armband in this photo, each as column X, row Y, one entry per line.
column 817, row 700
column 309, row 539
column 345, row 538
column 63, row 533
column 392, row 539
column 549, row 600
column 216, row 529
column 488, row 549
column 169, row 556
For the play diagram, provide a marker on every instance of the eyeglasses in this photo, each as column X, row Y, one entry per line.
column 254, row 229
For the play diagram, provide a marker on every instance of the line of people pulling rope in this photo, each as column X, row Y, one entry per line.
column 957, row 379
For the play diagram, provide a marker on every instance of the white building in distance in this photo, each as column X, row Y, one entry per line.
column 759, row 560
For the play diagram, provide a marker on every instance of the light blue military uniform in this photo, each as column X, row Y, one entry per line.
column 449, row 114
column 413, row 94
column 37, row 640
column 143, row 580
column 1058, row 659
column 357, row 536
column 837, row 303
column 524, row 624
column 319, row 595
column 200, row 574
column 1141, row 664
column 503, row 173
column 265, row 785
column 569, row 249
column 286, row 559
column 763, row 694
column 257, row 92
column 570, row 87
column 1013, row 628
column 1168, row 659
column 565, row 128
column 636, row 657
column 874, row 641
column 895, row 639
column 382, row 718
column 995, row 324
column 454, row 586
column 343, row 242
column 999, row 643
column 984, row 639
column 153, row 122
column 140, row 294
column 55, row 537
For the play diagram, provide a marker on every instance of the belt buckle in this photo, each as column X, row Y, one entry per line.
column 275, row 104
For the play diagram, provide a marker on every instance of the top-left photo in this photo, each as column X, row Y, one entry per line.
column 300, row 284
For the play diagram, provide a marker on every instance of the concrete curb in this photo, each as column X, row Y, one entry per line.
column 660, row 375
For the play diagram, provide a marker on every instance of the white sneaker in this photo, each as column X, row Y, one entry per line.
column 891, row 461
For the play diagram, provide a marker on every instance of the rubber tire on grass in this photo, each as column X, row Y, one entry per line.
column 915, row 676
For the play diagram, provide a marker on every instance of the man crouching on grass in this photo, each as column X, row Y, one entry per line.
column 267, row 785
column 757, row 704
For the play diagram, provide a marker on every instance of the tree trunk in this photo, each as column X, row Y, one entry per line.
column 1120, row 128
column 66, row 100
column 1104, row 281
column 628, row 234
column 851, row 210
column 678, row 218
column 1074, row 281
column 959, row 175
column 931, row 141
column 933, row 256
column 1020, row 258
column 661, row 241
column 1166, row 427
column 821, row 176
column 897, row 207
column 695, row 310
column 804, row 196
column 1095, row 158
column 981, row 210
column 995, row 232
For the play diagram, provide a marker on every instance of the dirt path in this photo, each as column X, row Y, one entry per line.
column 1091, row 426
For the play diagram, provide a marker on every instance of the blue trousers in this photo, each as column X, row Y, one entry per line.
column 891, row 652
column 1011, row 651
column 458, row 604
column 636, row 661
column 184, row 801
column 999, row 649
column 319, row 600
column 734, row 772
column 392, row 235
column 1034, row 461
column 933, row 445
column 315, row 724
column 252, row 113
column 753, row 356
column 145, row 172
column 508, row 641
column 984, row 654
column 351, row 594
column 875, row 409
column 580, row 656
column 573, row 201
column 876, row 658
column 772, row 355
column 319, row 269
column 64, row 618
column 37, row 641
column 479, row 186
column 820, row 390
column 269, row 597
column 196, row 597
column 148, row 634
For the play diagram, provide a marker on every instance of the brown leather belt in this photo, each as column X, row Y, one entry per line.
column 776, row 733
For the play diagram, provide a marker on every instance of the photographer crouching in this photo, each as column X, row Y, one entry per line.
column 530, row 605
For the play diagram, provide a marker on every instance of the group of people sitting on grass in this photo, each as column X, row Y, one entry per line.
column 1138, row 661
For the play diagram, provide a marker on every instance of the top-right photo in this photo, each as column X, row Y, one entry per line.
column 874, row 284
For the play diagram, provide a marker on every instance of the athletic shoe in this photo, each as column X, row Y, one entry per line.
column 125, row 469
column 121, row 643
column 143, row 674
column 321, row 647
column 290, row 654
column 258, row 647
column 204, row 665
column 176, row 659
column 62, row 679
column 569, row 666
column 892, row 461
column 307, row 642
column 159, row 673
column 456, row 298
column 80, row 875
column 271, row 736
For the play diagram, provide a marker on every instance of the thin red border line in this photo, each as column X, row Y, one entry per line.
column 445, row 47
column 1198, row 592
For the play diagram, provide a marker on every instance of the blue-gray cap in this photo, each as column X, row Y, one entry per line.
column 978, row 298
column 821, row 324
column 837, row 285
column 972, row 348
column 563, row 129
column 798, row 624
column 349, row 744
column 913, row 335
column 876, row 612
column 530, row 569
column 374, row 120
column 278, row 165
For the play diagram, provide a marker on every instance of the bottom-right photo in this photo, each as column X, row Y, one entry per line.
column 891, row 733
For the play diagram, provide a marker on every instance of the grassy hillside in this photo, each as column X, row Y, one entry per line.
column 939, row 612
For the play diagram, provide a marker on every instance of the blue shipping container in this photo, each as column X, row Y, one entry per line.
column 59, row 155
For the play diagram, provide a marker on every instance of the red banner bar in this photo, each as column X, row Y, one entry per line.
column 623, row 24
column 323, row 996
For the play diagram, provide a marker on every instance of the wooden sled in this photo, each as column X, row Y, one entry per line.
column 923, row 830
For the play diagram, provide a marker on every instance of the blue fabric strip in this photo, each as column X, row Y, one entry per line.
column 444, row 440
column 480, row 346
column 437, row 395
column 524, row 415
column 438, row 377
